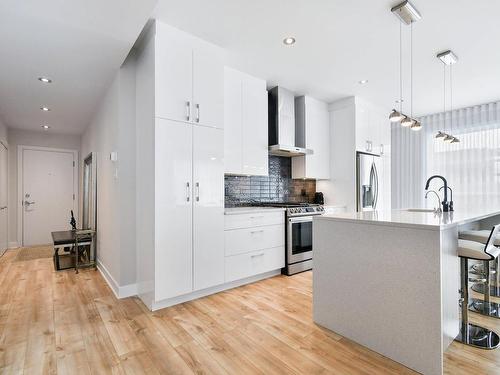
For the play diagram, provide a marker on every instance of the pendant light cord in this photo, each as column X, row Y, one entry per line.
column 451, row 99
column 444, row 97
column 400, row 69
column 411, row 70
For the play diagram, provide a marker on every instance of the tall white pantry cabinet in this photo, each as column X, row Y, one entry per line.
column 180, row 165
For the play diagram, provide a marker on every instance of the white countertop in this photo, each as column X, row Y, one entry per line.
column 406, row 218
column 250, row 210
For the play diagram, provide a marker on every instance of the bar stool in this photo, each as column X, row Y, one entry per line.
column 471, row 334
column 484, row 270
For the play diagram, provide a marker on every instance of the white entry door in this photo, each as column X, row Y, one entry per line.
column 48, row 193
column 3, row 199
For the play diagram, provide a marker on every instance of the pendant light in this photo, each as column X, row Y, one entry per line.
column 407, row 14
column 448, row 58
column 440, row 134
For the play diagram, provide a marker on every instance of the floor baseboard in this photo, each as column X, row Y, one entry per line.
column 119, row 291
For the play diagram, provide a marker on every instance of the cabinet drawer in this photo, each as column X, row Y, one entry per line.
column 239, row 241
column 250, row 264
column 257, row 219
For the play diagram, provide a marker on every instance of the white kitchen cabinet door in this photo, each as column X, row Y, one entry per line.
column 173, row 209
column 232, row 121
column 313, row 121
column 254, row 127
column 208, row 88
column 208, row 220
column 364, row 142
column 174, row 76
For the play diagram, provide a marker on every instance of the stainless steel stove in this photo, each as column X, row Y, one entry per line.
column 298, row 235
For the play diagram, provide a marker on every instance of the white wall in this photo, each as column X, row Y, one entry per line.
column 113, row 130
column 41, row 138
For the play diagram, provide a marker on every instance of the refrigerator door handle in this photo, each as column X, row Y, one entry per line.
column 375, row 185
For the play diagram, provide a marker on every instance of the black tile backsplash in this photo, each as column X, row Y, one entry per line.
column 277, row 187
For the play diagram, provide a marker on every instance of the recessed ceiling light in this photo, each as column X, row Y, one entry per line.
column 45, row 109
column 363, row 81
column 289, row 41
column 46, row 127
column 45, row 79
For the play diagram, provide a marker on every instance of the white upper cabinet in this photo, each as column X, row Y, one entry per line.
column 189, row 83
column 208, row 87
column 174, row 75
column 312, row 131
column 255, row 154
column 245, row 124
column 232, row 122
column 373, row 133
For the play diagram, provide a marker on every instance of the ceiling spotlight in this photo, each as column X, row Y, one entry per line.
column 416, row 126
column 407, row 122
column 289, row 41
column 440, row 134
column 455, row 140
column 45, row 79
column 45, row 109
column 363, row 81
column 45, row 127
column 399, row 101
column 395, row 116
column 448, row 138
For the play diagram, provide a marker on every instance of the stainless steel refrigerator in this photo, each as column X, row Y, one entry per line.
column 367, row 181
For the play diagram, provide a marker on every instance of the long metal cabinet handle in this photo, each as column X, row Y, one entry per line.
column 376, row 186
column 197, row 192
column 197, row 113
column 187, row 192
column 188, row 110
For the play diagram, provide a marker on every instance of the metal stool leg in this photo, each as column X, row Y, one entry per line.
column 485, row 307
column 471, row 334
column 495, row 286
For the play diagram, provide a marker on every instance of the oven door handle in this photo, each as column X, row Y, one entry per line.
column 300, row 219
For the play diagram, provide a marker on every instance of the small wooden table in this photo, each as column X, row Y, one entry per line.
column 67, row 239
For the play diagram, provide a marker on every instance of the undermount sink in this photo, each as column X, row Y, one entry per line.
column 419, row 210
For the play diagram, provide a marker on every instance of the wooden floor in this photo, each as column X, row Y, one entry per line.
column 69, row 324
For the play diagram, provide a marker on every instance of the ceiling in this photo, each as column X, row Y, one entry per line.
column 79, row 44
column 342, row 42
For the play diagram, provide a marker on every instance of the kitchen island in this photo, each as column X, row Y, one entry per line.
column 389, row 280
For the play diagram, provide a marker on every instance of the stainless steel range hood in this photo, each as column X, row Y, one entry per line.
column 282, row 124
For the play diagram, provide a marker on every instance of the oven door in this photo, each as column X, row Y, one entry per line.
column 299, row 241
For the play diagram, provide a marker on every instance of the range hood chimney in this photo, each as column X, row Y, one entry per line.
column 282, row 124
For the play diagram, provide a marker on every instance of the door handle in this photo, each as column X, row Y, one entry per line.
column 197, row 113
column 187, row 192
column 188, row 110
column 27, row 203
column 197, row 192
column 3, row 208
column 256, row 255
